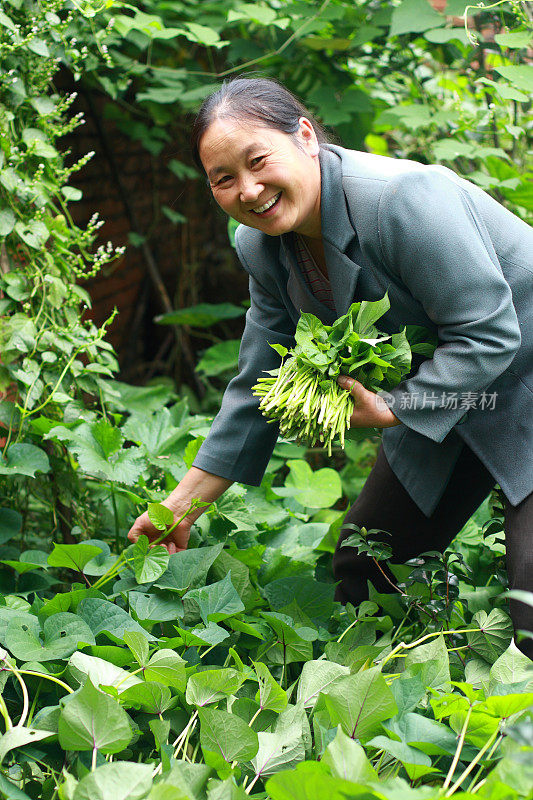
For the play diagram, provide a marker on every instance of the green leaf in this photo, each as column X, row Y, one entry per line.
column 203, row 34
column 18, row 737
column 92, row 720
column 201, row 316
column 191, row 451
column 290, row 646
column 43, row 104
column 61, row 635
column 188, row 569
column 160, row 516
column 360, row 703
column 310, row 329
column 173, row 216
column 6, row 786
column 72, row 556
column 434, row 663
column 505, row 91
column 311, row 780
column 315, row 599
column 514, row 39
column 189, row 779
column 100, row 671
column 320, row 489
column 227, row 735
column 149, row 696
column 348, row 760
column 10, row 524
column 519, row 75
column 71, row 193
column 7, row 22
column 445, row 35
column 7, row 221
column 167, row 667
column 413, row 16
column 270, row 695
column 253, row 11
column 318, row 676
column 217, row 601
column 450, row 149
column 495, row 635
column 149, row 563
column 511, row 667
column 278, row 751
column 39, row 47
column 24, row 459
column 105, row 617
column 138, row 645
column 121, row 780
column 504, row 706
column 156, row 606
column 96, row 446
column 212, row 685
column 220, row 358
column 425, row 734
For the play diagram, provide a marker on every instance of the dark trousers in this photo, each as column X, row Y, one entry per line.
column 385, row 505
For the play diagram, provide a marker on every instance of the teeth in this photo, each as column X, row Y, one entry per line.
column 267, row 205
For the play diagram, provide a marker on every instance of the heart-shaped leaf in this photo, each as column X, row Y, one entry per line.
column 92, row 720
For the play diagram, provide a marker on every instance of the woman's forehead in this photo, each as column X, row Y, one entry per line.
column 231, row 132
column 226, row 138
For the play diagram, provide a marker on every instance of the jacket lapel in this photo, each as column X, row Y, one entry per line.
column 299, row 293
column 337, row 232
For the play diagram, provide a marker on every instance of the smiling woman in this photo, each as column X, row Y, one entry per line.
column 272, row 184
column 323, row 227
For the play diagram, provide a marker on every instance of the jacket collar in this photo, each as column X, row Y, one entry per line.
column 337, row 234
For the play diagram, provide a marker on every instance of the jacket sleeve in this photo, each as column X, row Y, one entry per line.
column 240, row 441
column 435, row 242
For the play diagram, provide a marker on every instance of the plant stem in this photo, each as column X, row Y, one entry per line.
column 460, row 743
column 255, row 716
column 405, row 646
column 472, row 764
column 25, row 698
column 47, row 677
column 5, row 713
column 252, row 784
column 343, row 634
column 480, row 770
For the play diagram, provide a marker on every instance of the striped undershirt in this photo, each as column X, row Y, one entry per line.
column 316, row 281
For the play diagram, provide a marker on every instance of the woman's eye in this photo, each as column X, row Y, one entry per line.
column 224, row 179
column 257, row 160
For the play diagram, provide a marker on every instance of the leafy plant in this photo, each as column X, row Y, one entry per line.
column 303, row 394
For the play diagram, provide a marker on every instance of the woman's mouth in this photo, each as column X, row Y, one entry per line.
column 267, row 208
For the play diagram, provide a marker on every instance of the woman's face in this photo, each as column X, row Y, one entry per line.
column 262, row 177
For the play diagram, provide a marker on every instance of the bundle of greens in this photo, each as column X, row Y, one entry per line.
column 303, row 394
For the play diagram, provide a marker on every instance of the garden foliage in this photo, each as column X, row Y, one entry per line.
column 228, row 670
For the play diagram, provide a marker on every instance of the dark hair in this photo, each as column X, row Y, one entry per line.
column 261, row 99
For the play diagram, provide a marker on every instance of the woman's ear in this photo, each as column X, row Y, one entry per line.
column 306, row 134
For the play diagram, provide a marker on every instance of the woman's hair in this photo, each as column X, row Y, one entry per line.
column 261, row 100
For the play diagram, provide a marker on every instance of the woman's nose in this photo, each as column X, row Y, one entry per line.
column 250, row 189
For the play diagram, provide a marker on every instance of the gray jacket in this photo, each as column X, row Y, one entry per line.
column 453, row 260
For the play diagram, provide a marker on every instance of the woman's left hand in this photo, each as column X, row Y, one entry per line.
column 370, row 410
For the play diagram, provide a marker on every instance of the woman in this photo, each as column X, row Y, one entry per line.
column 323, row 227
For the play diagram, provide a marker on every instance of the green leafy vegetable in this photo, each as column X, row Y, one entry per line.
column 303, row 394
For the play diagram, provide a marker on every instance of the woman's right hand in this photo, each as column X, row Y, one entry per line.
column 175, row 542
column 197, row 483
